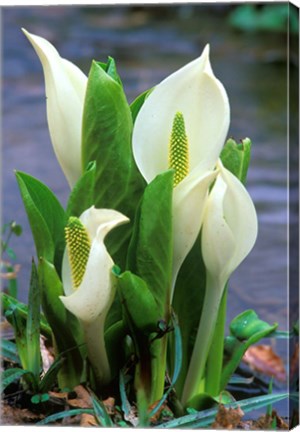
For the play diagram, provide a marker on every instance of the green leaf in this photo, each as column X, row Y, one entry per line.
column 64, row 414
column 33, row 325
column 188, row 307
column 245, row 330
column 111, row 69
column 236, row 157
column 46, row 217
column 10, row 375
column 106, row 139
column 82, row 195
column 9, row 302
column 206, row 417
column 51, row 374
column 65, row 326
column 136, row 105
column 19, row 325
column 9, row 350
column 139, row 302
column 100, row 413
column 151, row 248
column 40, row 398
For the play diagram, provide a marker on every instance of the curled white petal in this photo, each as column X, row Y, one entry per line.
column 65, row 86
column 189, row 202
column 195, row 92
column 229, row 227
column 96, row 291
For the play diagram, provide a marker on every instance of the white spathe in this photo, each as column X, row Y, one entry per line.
column 229, row 227
column 65, row 86
column 195, row 92
column 96, row 291
column 91, row 301
column 229, row 232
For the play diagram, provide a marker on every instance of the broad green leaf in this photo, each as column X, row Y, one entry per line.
column 33, row 324
column 151, row 248
column 9, row 350
column 187, row 304
column 46, row 217
column 111, row 69
column 245, row 330
column 137, row 104
column 236, row 157
column 10, row 375
column 106, row 139
column 65, row 326
column 22, row 309
column 139, row 302
column 82, row 195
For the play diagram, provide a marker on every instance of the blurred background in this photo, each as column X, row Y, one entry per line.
column 249, row 54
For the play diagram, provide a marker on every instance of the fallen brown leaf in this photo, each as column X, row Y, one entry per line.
column 227, row 418
column 109, row 404
column 263, row 359
column 88, row 420
column 83, row 399
column 265, row 422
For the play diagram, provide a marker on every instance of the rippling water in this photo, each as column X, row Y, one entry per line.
column 148, row 44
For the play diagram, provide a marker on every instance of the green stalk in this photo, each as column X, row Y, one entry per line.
column 212, row 299
column 216, row 352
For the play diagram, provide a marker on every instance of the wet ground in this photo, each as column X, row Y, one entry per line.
column 149, row 43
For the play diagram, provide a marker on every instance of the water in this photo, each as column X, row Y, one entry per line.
column 148, row 43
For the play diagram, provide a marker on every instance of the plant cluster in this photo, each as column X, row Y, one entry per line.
column 132, row 275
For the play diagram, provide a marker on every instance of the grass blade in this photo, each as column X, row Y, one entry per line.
column 11, row 375
column 206, row 417
column 33, row 324
column 9, row 350
column 100, row 413
column 124, row 400
column 51, row 374
column 61, row 415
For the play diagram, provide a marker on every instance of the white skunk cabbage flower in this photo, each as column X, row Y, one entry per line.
column 182, row 125
column 229, row 232
column 65, row 86
column 87, row 279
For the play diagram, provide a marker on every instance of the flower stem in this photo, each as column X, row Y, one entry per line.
column 94, row 337
column 213, row 295
column 216, row 352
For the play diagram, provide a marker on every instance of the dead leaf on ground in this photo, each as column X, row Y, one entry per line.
column 263, row 359
column 83, row 399
column 157, row 415
column 265, row 422
column 227, row 418
column 46, row 354
column 109, row 404
column 88, row 420
column 16, row 416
